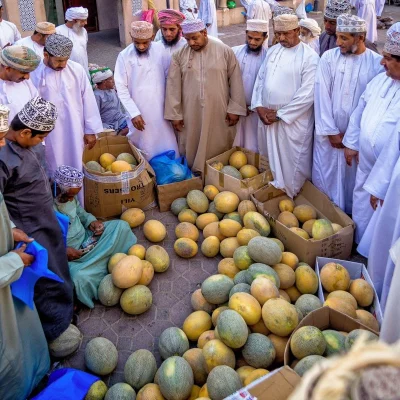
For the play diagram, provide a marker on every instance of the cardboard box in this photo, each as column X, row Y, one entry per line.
column 245, row 187
column 108, row 196
column 325, row 318
column 107, row 132
column 277, row 385
column 356, row 271
column 166, row 194
column 338, row 245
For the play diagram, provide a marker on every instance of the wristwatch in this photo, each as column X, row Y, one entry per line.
column 278, row 118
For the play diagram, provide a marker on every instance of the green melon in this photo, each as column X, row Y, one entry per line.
column 307, row 341
column 335, row 342
column 178, row 205
column 308, row 303
column 120, row 391
column 172, row 342
column 197, row 201
column 94, row 166
column 355, row 334
column 299, row 313
column 108, row 293
column 322, row 229
column 232, row 171
column 222, row 382
column 140, row 368
column 213, row 209
column 232, row 329
column 254, row 220
column 242, row 258
column 240, row 287
column 66, row 343
column 175, row 378
column 136, row 300
column 101, row 356
column 97, row 391
column 259, row 351
column 128, row 158
column 264, row 250
column 240, row 277
column 259, row 269
column 307, row 363
column 216, row 288
column 235, row 216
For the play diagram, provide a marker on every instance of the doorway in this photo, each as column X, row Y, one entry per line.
column 93, row 20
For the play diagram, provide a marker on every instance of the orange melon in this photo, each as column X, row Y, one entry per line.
column 205, row 219
column 262, row 289
column 147, row 273
column 187, row 230
column 362, row 292
column 199, row 303
column 137, row 250
column 227, row 267
column 154, row 231
column 127, row 272
column 217, row 353
column 204, row 338
column 334, row 277
column 245, row 206
column 247, row 306
column 212, row 229
column 195, row 324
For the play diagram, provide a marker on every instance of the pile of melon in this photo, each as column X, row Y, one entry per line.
column 237, row 167
column 351, row 297
column 109, row 164
column 302, row 220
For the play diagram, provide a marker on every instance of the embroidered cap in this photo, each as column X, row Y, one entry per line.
column 348, row 23
column 281, row 10
column 20, row 58
column 334, row 8
column 192, row 26
column 392, row 45
column 39, row 114
column 59, row 45
column 257, row 25
column 141, row 30
column 68, row 177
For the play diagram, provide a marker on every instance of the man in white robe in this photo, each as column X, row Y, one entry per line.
column 379, row 5
column 250, row 57
column 37, row 40
column 342, row 76
column 208, row 14
column 300, row 8
column 9, row 33
column 16, row 87
column 366, row 11
column 74, row 29
column 259, row 9
column 189, row 9
column 64, row 83
column 309, row 33
column 283, row 97
column 371, row 126
column 140, row 78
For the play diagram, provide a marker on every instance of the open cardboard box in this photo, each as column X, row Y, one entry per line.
column 325, row 318
column 338, row 245
column 109, row 195
column 356, row 271
column 245, row 187
column 277, row 385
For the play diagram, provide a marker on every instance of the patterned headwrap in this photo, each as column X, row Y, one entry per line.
column 334, row 8
column 76, row 13
column 170, row 17
column 20, row 58
column 394, row 28
column 311, row 25
column 257, row 25
column 282, row 10
column 39, row 114
column 58, row 45
column 68, row 177
column 392, row 45
column 285, row 23
column 4, row 114
column 141, row 30
column 100, row 74
column 45, row 28
column 347, row 23
column 192, row 26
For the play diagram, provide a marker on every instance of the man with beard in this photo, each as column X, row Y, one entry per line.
column 65, row 84
column 140, row 75
column 9, row 33
column 74, row 29
column 16, row 88
column 342, row 76
column 205, row 95
column 250, row 57
column 327, row 40
column 309, row 33
column 283, row 97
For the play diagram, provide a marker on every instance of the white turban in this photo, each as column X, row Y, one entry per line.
column 285, row 23
column 76, row 13
column 311, row 25
column 101, row 75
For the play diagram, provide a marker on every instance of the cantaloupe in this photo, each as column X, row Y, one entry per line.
column 304, row 213
column 288, row 219
column 286, row 205
column 226, row 202
column 210, row 191
column 127, row 157
column 205, row 337
column 213, row 230
column 67, row 343
column 172, row 342
column 136, row 300
column 306, row 279
column 178, row 205
column 176, row 378
column 279, row 344
column 137, row 250
column 213, row 209
column 293, row 293
column 300, row 232
column 264, row 250
column 217, row 165
column 231, row 171
column 217, row 353
column 227, row 267
column 362, row 291
column 205, row 219
column 120, row 391
column 263, row 289
column 97, row 391
column 346, row 296
column 308, row 303
column 245, row 235
column 322, row 229
column 197, row 201
column 259, row 352
column 197, row 362
column 187, row 215
column 307, row 363
column 216, row 288
column 259, row 269
column 151, row 391
column 247, row 306
column 341, row 306
column 147, row 274
column 242, row 258
column 120, row 166
column 290, row 259
column 232, row 329
column 186, row 248
column 335, row 342
column 108, row 293
column 244, row 372
column 229, row 227
column 158, row 257
column 286, row 275
column 308, row 225
column 249, row 171
column 336, row 227
column 140, row 368
column 279, row 243
column 307, row 341
column 199, row 303
column 210, row 246
column 259, row 327
column 354, row 335
column 240, row 288
column 240, row 277
column 280, row 317
column 238, row 159
column 195, row 324
column 367, row 319
column 94, row 166
column 187, row 230
column 101, row 356
column 216, row 313
column 256, row 221
column 106, row 159
column 114, row 260
column 222, row 382
column 334, row 277
column 154, row 231
column 228, row 247
column 127, row 272
column 256, row 374
column 245, row 206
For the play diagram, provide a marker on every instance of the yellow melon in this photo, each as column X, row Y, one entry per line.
column 210, row 246
column 217, row 165
column 244, row 372
column 280, row 346
column 362, row 292
column 256, row 221
column 286, row 205
column 147, row 274
column 286, row 275
column 280, row 317
column 342, row 306
column 288, row 219
column 151, row 391
column 322, row 229
column 229, row 227
column 260, row 327
column 334, row 277
column 106, row 159
column 216, row 313
column 187, row 230
column 228, row 247
column 308, row 225
column 137, row 250
column 262, row 289
column 204, row 338
column 195, row 324
column 213, row 230
column 127, row 272
column 254, row 375
column 245, row 206
column 217, row 353
column 154, row 231
column 187, row 215
column 284, row 296
column 293, row 293
column 238, row 159
column 210, row 191
column 205, row 219
column 306, row 279
column 304, row 212
column 249, row 171
column 336, row 227
column 203, row 392
column 346, row 296
column 194, row 394
column 186, row 248
column 158, row 257
column 199, row 303
column 245, row 235
column 300, row 232
column 247, row 306
column 227, row 267
column 290, row 259
column 226, row 202
column 367, row 319
column 133, row 216
column 120, row 166
column 114, row 260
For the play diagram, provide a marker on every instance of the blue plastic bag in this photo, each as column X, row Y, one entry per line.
column 170, row 170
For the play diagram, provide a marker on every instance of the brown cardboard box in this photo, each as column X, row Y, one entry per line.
column 338, row 246
column 277, row 385
column 107, row 132
column 245, row 187
column 166, row 194
column 325, row 318
column 108, row 196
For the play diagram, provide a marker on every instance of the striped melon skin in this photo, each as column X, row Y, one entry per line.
column 108, row 293
column 307, row 341
column 259, row 351
column 216, row 288
column 259, row 269
column 232, row 329
column 140, row 368
column 307, row 363
column 197, row 201
column 178, row 205
column 222, row 382
column 264, row 250
column 101, row 356
column 172, row 342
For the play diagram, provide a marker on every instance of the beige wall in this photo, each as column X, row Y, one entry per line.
column 107, row 12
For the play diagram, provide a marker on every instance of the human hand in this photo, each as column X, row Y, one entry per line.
column 97, row 227
column 21, row 236
column 349, row 154
column 249, row 111
column 231, row 119
column 123, row 132
column 89, row 140
column 266, row 115
column 178, row 125
column 336, row 141
column 138, row 123
column 26, row 258
column 73, row 254
column 374, row 202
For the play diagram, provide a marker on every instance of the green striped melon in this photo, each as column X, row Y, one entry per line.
column 240, row 288
column 213, row 209
column 235, row 216
column 197, row 201
column 172, row 342
column 335, row 342
column 108, row 293
column 259, row 351
column 355, row 334
column 178, row 205
column 307, row 363
column 308, row 303
column 222, row 382
column 256, row 221
column 120, row 391
column 307, row 341
column 240, row 277
column 264, row 250
column 258, row 269
column 101, row 356
column 242, row 258
column 140, row 368
column 216, row 288
column 232, row 329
